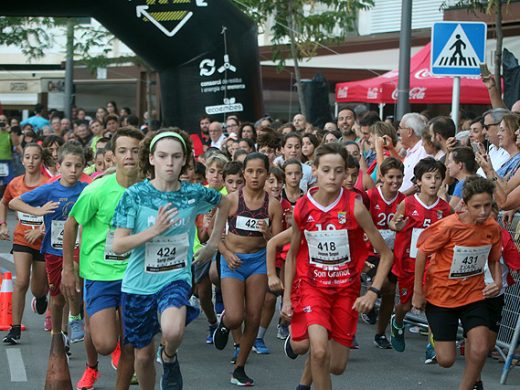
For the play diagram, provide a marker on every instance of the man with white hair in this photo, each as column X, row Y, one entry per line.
column 300, row 122
column 216, row 134
column 411, row 128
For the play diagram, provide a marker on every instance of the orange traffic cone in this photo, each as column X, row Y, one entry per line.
column 58, row 375
column 6, row 302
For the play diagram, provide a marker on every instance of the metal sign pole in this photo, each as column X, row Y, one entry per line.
column 455, row 102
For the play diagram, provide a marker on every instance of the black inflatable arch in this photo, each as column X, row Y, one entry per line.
column 205, row 51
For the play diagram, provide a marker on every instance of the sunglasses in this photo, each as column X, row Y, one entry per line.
column 489, row 125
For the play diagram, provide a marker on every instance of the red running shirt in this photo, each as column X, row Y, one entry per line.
column 420, row 217
column 332, row 251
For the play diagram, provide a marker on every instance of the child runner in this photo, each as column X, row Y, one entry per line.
column 253, row 217
column 54, row 201
column 413, row 215
column 383, row 205
column 155, row 219
column 454, row 289
column 292, row 149
column 27, row 237
column 460, row 164
column 202, row 286
column 101, row 269
column 291, row 190
column 322, row 274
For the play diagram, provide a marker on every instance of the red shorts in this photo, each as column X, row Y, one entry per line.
column 328, row 307
column 405, row 284
column 53, row 267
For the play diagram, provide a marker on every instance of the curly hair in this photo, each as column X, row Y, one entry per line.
column 146, row 169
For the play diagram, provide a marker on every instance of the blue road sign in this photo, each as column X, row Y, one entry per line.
column 458, row 48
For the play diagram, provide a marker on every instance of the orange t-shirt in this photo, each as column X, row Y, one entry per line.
column 458, row 252
column 14, row 189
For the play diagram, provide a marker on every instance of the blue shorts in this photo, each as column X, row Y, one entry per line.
column 252, row 264
column 140, row 312
column 99, row 295
column 4, row 180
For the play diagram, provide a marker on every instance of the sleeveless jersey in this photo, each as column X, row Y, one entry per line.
column 245, row 221
column 332, row 252
column 420, row 217
column 382, row 212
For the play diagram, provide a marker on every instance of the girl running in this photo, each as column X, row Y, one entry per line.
column 253, row 217
column 155, row 219
column 27, row 239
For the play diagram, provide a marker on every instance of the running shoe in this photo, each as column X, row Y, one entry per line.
column 478, row 386
column 13, row 336
column 211, row 330
column 240, row 378
column 236, row 351
column 158, row 354
column 396, row 336
column 116, row 354
column 47, row 322
column 303, row 387
column 287, row 348
column 355, row 344
column 221, row 335
column 194, row 302
column 77, row 332
column 66, row 342
column 260, row 348
column 431, row 355
column 172, row 377
column 89, row 378
column 370, row 318
column 219, row 303
column 39, row 305
column 282, row 331
column 380, row 341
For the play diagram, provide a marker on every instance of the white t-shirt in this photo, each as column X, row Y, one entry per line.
column 413, row 156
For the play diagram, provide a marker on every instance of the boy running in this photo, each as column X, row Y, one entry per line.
column 99, row 266
column 454, row 290
column 322, row 270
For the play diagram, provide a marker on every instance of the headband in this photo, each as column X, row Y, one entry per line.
column 166, row 134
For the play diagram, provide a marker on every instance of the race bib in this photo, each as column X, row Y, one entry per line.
column 4, row 169
column 328, row 247
column 109, row 253
column 389, row 237
column 29, row 219
column 166, row 253
column 249, row 224
column 468, row 261
column 57, row 229
column 416, row 232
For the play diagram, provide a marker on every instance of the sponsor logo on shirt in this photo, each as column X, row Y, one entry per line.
column 415, row 213
column 310, row 219
column 342, row 217
column 439, row 214
column 307, row 309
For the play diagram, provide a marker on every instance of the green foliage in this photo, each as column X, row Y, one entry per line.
column 487, row 7
column 315, row 22
column 28, row 33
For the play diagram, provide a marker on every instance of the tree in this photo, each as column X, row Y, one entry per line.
column 490, row 7
column 304, row 25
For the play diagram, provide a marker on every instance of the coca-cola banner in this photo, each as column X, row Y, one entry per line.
column 206, row 51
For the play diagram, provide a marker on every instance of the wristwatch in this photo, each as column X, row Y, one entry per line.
column 375, row 290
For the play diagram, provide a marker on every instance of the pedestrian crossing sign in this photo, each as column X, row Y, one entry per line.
column 458, row 48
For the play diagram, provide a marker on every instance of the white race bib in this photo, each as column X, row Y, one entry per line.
column 468, row 261
column 29, row 219
column 166, row 253
column 57, row 229
column 249, row 224
column 416, row 232
column 328, row 247
column 4, row 169
column 109, row 253
column 389, row 237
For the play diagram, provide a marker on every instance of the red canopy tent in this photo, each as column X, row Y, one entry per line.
column 424, row 87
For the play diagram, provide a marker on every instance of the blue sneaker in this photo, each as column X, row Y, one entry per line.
column 396, row 336
column 211, row 330
column 282, row 332
column 172, row 377
column 236, row 351
column 219, row 303
column 77, row 332
column 260, row 348
column 431, row 355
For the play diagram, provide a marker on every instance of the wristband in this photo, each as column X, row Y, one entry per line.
column 375, row 291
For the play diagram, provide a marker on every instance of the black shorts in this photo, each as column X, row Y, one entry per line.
column 444, row 321
column 494, row 306
column 36, row 255
column 371, row 273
